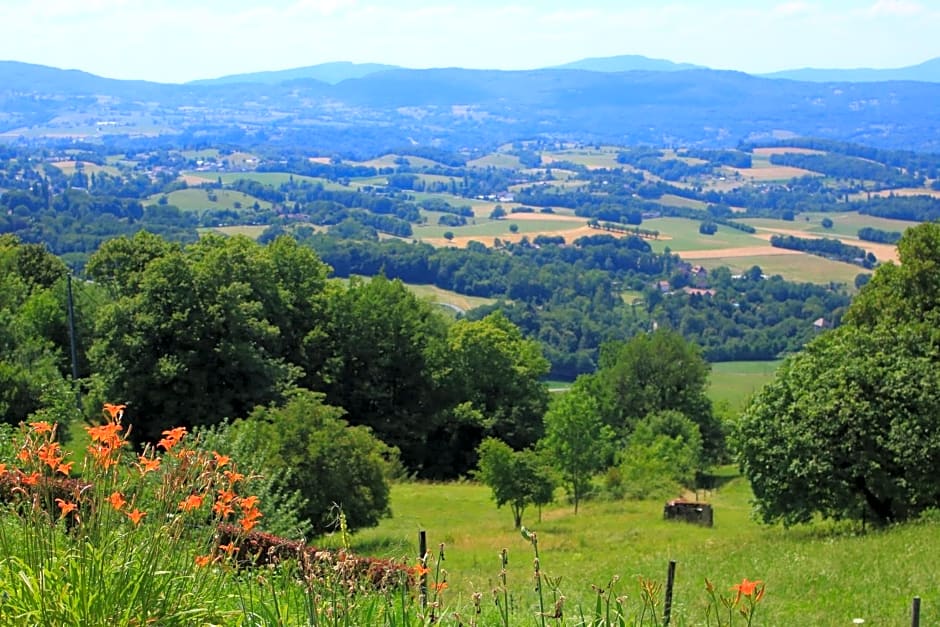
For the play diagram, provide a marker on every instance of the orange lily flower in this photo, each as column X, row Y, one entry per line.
column 3, row 469
column 65, row 507
column 229, row 548
column 65, row 468
column 233, row 476
column 441, row 586
column 117, row 500
column 24, row 455
column 746, row 588
column 146, row 464
column 222, row 509
column 203, row 560
column 50, row 454
column 221, row 460
column 136, row 516
column 172, row 437
column 41, row 427
column 248, row 503
column 191, row 502
column 116, row 412
column 32, row 479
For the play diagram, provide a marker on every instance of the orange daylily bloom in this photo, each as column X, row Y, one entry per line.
column 41, row 427
column 441, row 586
column 233, row 476
column 117, row 500
column 106, row 434
column 65, row 506
column 420, row 570
column 32, row 479
column 172, row 437
column 248, row 503
column 146, row 464
column 24, row 455
column 191, row 502
column 746, row 587
column 229, row 548
column 50, row 454
column 65, row 468
column 136, row 516
column 115, row 411
column 222, row 509
column 247, row 524
column 221, row 460
column 203, row 560
column 3, row 469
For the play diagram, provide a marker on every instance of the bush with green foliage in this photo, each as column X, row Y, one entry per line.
column 319, row 463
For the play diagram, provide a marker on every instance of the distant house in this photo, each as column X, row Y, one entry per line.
column 664, row 286
column 699, row 271
column 821, row 323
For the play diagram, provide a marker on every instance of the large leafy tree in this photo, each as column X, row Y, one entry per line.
column 197, row 334
column 491, row 380
column 651, row 373
column 385, row 347
column 33, row 332
column 849, row 427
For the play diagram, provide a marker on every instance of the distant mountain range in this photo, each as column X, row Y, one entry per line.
column 627, row 63
column 337, row 72
column 928, row 71
column 331, row 73
column 366, row 108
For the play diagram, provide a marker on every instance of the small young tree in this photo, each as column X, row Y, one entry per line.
column 576, row 439
column 518, row 478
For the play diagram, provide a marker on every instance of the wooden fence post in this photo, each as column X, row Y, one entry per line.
column 667, row 605
column 915, row 612
column 422, row 557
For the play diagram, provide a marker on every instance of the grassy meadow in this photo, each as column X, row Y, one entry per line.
column 196, row 199
column 734, row 382
column 822, row 575
column 798, row 267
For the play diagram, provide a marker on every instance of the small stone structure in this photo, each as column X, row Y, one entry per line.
column 689, row 511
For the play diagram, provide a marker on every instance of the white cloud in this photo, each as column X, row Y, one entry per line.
column 895, row 8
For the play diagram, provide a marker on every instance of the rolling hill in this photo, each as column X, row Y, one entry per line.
column 455, row 108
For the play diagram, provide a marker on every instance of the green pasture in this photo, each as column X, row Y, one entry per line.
column 205, row 153
column 603, row 158
column 253, row 231
column 681, row 234
column 69, row 167
column 388, row 161
column 678, row 201
column 734, row 382
column 197, row 199
column 274, row 179
column 497, row 228
column 844, row 224
column 497, row 160
column 800, row 268
column 447, row 297
column 819, row 575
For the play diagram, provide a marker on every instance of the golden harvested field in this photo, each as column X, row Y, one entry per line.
column 68, row 168
column 764, row 171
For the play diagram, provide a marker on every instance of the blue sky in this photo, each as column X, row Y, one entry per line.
column 180, row 40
